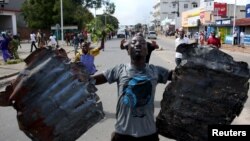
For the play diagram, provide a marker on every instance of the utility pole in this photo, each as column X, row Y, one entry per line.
column 62, row 21
column 178, row 8
column 234, row 21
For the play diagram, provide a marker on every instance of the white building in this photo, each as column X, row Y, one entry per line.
column 170, row 10
column 9, row 11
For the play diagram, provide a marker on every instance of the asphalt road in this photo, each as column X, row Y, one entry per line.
column 112, row 56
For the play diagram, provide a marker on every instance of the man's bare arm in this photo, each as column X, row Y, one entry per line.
column 100, row 79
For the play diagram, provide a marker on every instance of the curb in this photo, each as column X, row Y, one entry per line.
column 9, row 75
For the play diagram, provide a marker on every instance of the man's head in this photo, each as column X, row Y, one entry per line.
column 85, row 47
column 138, row 48
column 212, row 33
column 181, row 33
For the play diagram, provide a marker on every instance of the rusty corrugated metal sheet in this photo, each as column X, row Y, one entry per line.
column 54, row 98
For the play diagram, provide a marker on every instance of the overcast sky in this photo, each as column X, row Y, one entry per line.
column 131, row 12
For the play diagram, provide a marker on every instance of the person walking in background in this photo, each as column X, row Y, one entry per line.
column 52, row 40
column 75, row 43
column 180, row 40
column 202, row 38
column 33, row 41
column 242, row 36
column 196, row 37
column 4, row 43
column 235, row 34
column 39, row 37
column 213, row 41
column 19, row 39
column 136, row 83
column 14, row 47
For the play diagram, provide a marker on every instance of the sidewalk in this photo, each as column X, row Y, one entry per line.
column 9, row 70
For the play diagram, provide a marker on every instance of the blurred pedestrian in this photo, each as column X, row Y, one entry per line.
column 196, row 37
column 202, row 38
column 235, row 34
column 4, row 43
column 39, row 37
column 180, row 40
column 75, row 42
column 19, row 39
column 33, row 41
column 14, row 47
column 52, row 40
column 242, row 36
column 213, row 41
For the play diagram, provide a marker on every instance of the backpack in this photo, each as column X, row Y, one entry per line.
column 137, row 92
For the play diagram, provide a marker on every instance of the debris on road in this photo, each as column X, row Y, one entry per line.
column 208, row 87
column 55, row 99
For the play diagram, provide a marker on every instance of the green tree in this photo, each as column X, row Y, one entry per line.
column 73, row 14
column 45, row 13
column 110, row 20
column 90, row 3
column 37, row 13
column 109, row 7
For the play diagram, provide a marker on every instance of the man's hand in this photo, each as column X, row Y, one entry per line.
column 122, row 44
column 123, row 41
column 154, row 44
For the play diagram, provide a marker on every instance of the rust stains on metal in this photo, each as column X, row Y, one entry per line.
column 55, row 99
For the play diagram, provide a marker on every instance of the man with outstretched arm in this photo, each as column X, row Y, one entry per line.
column 136, row 83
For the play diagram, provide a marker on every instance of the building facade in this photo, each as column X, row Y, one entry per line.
column 170, row 10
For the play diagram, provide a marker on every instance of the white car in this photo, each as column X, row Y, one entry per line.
column 152, row 35
column 121, row 34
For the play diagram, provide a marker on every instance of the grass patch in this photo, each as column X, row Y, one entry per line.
column 14, row 61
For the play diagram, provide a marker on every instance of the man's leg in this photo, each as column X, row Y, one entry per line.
column 31, row 47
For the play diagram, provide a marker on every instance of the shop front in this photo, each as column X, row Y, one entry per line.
column 191, row 20
column 223, row 27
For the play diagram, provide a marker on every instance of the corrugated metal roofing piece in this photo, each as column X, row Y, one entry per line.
column 55, row 99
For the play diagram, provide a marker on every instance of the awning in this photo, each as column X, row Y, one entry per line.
column 242, row 22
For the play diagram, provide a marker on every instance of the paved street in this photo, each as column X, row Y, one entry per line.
column 110, row 57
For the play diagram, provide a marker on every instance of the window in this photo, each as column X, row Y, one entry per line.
column 185, row 5
column 194, row 4
column 174, row 5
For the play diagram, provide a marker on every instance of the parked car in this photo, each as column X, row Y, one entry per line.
column 152, row 35
column 121, row 34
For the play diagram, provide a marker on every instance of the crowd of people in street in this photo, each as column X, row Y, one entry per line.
column 135, row 112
